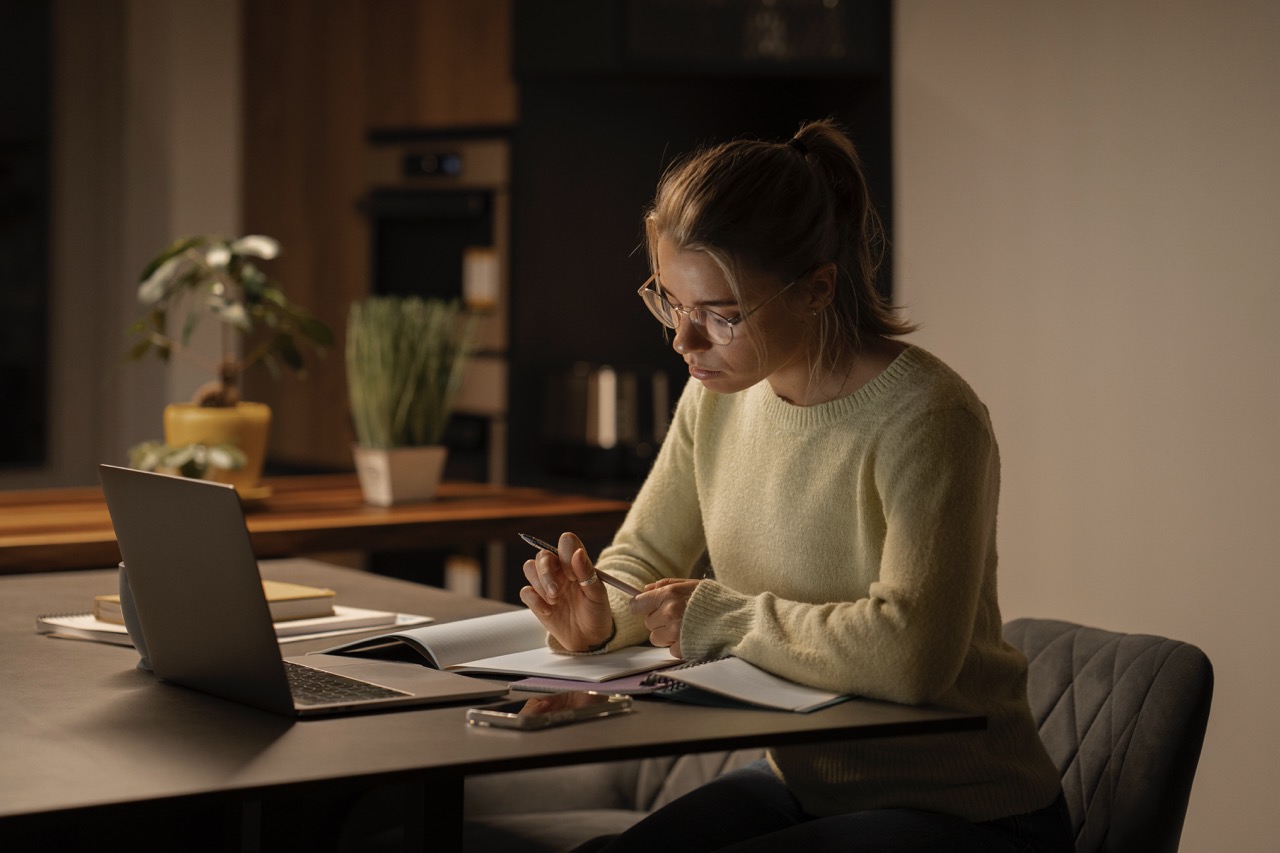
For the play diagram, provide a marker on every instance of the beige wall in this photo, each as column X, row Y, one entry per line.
column 1088, row 199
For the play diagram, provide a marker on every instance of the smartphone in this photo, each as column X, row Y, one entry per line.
column 553, row 709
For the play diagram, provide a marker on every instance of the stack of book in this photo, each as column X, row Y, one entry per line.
column 298, row 611
column 287, row 601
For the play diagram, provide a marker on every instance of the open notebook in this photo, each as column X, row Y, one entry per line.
column 510, row 643
column 730, row 680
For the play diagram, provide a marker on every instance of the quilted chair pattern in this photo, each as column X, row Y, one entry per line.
column 1123, row 716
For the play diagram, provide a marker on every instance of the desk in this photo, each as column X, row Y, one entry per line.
column 70, row 528
column 85, row 734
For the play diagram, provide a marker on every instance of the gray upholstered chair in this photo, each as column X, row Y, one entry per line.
column 554, row 810
column 1123, row 716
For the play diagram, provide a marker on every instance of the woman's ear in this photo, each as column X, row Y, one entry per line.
column 821, row 288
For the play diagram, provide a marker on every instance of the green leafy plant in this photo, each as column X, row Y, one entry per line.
column 218, row 277
column 405, row 359
column 190, row 460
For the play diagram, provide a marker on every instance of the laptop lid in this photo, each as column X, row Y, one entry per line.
column 198, row 596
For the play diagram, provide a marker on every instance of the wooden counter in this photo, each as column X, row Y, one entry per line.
column 70, row 528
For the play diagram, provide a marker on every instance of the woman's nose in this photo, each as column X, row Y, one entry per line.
column 689, row 338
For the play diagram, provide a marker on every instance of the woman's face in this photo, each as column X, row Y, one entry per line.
column 768, row 344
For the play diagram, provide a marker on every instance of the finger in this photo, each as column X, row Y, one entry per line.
column 530, row 569
column 550, row 572
column 568, row 544
column 582, row 569
column 664, row 637
column 656, row 621
column 536, row 603
column 582, row 572
column 581, row 564
column 645, row 603
column 537, row 574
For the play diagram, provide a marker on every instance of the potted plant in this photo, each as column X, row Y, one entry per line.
column 405, row 359
column 208, row 276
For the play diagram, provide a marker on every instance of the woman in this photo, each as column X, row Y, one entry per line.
column 842, row 486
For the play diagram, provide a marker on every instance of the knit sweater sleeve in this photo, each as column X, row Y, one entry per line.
column 924, row 542
column 662, row 535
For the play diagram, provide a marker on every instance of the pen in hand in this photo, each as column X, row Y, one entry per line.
column 604, row 576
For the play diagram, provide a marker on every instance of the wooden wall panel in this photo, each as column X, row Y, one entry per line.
column 318, row 75
column 440, row 63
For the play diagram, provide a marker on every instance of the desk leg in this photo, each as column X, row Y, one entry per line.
column 433, row 813
column 244, row 826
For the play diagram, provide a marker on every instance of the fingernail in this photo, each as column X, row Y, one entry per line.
column 551, row 588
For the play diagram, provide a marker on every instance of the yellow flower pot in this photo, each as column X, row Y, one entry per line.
column 244, row 425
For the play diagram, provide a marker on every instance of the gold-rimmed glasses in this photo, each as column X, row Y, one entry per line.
column 716, row 328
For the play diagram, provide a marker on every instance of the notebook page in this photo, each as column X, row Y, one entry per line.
column 453, row 643
column 745, row 682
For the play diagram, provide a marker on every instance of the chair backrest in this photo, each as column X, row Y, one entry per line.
column 1123, row 716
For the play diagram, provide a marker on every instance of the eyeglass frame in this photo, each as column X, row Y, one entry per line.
column 731, row 322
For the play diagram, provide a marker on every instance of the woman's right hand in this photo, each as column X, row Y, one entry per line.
column 577, row 615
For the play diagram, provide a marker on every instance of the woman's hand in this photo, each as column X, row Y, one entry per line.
column 662, row 604
column 577, row 615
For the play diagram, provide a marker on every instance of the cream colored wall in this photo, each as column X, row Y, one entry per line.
column 1087, row 205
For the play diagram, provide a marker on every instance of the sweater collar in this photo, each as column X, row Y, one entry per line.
column 834, row 410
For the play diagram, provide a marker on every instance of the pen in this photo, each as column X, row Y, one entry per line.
column 604, row 576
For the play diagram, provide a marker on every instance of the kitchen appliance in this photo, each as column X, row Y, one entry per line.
column 439, row 213
column 438, row 208
column 605, row 422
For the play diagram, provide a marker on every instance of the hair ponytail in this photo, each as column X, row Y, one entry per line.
column 784, row 208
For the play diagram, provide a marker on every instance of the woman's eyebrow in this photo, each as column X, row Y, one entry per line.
column 710, row 303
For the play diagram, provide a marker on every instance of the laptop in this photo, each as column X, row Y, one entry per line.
column 205, row 621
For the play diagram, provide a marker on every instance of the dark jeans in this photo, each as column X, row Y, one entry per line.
column 750, row 810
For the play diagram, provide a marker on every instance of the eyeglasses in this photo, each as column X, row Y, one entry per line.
column 716, row 328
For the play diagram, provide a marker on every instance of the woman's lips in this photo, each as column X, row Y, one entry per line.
column 702, row 373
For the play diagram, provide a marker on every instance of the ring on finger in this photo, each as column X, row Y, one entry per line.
column 589, row 581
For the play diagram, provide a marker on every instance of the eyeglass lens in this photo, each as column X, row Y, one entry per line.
column 710, row 325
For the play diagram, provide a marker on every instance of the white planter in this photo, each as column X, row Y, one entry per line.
column 399, row 475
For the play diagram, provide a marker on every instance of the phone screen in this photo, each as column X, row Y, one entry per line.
column 550, row 710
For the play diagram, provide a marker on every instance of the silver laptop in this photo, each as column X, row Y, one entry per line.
column 205, row 621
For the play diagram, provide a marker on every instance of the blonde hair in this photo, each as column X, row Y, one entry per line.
column 784, row 209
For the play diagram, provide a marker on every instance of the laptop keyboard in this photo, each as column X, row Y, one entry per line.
column 317, row 687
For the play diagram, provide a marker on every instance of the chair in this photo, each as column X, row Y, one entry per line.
column 553, row 810
column 1123, row 716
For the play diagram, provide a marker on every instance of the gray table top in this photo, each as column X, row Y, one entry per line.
column 83, row 727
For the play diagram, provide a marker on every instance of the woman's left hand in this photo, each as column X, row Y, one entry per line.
column 662, row 604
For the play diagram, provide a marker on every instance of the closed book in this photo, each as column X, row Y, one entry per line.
column 287, row 601
column 343, row 620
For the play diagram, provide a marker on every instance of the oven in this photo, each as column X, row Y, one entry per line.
column 438, row 209
column 439, row 215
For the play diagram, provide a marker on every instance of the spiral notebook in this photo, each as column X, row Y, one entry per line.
column 731, row 681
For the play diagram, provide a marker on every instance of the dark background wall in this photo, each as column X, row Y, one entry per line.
column 604, row 105
column 24, row 231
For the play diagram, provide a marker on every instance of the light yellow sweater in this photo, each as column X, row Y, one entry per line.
column 853, row 546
